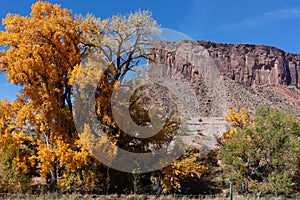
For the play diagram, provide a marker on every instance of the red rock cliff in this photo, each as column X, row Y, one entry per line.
column 247, row 64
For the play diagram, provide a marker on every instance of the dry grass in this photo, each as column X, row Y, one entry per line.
column 124, row 197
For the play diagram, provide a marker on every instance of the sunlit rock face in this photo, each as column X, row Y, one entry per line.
column 224, row 76
column 255, row 64
column 232, row 75
column 244, row 63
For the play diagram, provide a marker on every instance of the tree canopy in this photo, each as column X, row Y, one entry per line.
column 50, row 52
column 46, row 53
column 261, row 154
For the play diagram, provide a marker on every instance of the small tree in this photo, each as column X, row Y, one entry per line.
column 187, row 166
column 262, row 155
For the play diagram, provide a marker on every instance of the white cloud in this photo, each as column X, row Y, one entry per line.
column 285, row 13
column 264, row 19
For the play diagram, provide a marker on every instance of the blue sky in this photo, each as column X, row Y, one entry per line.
column 269, row 22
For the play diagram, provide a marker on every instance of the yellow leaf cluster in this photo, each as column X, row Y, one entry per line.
column 97, row 145
column 229, row 133
column 73, row 74
column 68, row 156
column 180, row 170
column 238, row 119
column 23, row 163
column 46, row 157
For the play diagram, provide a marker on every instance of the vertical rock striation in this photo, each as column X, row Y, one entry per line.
column 252, row 75
column 255, row 64
column 252, row 65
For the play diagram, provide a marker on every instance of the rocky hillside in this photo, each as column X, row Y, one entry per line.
column 223, row 76
column 233, row 75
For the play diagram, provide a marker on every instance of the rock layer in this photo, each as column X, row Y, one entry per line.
column 223, row 76
column 255, row 64
column 246, row 76
column 252, row 65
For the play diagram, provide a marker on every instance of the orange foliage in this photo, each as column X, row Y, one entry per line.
column 189, row 166
column 43, row 50
column 240, row 120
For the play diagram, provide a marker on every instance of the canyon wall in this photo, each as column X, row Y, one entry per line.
column 252, row 65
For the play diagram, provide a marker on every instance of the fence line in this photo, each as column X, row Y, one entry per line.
column 145, row 196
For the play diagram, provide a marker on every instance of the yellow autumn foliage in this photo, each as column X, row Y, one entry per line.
column 240, row 120
column 189, row 166
column 43, row 54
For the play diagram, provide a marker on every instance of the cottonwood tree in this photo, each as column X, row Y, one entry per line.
column 117, row 49
column 121, row 49
column 45, row 54
column 42, row 51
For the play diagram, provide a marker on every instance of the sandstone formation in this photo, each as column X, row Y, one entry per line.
column 247, row 75
column 255, row 65
column 223, row 76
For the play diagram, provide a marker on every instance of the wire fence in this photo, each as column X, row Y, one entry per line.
column 56, row 196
